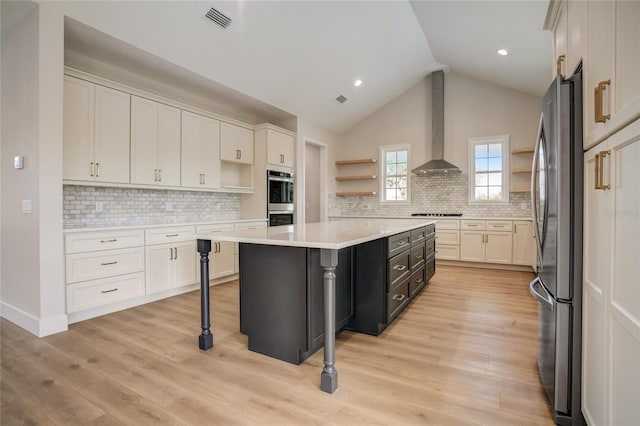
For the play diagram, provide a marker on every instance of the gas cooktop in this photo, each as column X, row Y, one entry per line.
column 437, row 214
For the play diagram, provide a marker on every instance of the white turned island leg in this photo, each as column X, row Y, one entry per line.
column 329, row 375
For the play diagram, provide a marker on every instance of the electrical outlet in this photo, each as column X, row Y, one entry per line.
column 218, row 206
column 99, row 206
column 523, row 206
column 366, row 206
column 168, row 207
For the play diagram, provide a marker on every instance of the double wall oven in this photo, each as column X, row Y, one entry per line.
column 280, row 190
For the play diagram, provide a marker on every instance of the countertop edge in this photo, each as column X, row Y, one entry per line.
column 164, row 225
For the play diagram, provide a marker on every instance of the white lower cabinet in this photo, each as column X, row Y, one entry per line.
column 524, row 244
column 448, row 240
column 221, row 258
column 472, row 246
column 91, row 294
column 611, row 293
column 487, row 241
column 170, row 265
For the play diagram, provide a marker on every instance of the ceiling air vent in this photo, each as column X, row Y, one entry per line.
column 342, row 99
column 218, row 17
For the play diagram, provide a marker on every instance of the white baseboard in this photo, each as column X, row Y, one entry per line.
column 501, row 266
column 37, row 326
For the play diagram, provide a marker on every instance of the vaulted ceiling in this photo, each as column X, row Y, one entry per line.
column 294, row 58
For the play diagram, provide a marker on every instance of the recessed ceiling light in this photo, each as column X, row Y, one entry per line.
column 357, row 83
column 503, row 52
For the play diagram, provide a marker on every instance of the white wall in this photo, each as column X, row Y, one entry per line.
column 312, row 183
column 32, row 74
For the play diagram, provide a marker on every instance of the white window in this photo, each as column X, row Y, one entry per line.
column 489, row 170
column 395, row 177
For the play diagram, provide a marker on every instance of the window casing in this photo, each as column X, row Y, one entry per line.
column 489, row 170
column 395, row 175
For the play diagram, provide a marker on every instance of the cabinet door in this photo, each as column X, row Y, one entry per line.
column 112, row 135
column 223, row 261
column 471, row 246
column 627, row 56
column 144, row 141
column 78, row 129
column 523, row 244
column 159, row 267
column 599, row 67
column 280, row 148
column 498, row 246
column 576, row 34
column 210, row 153
column 236, row 144
column 596, row 274
column 184, row 264
column 169, row 125
column 560, row 40
column 191, row 172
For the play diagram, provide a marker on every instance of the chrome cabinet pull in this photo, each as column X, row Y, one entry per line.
column 418, row 256
column 418, row 280
column 109, row 263
column 400, row 267
column 171, row 235
column 175, row 251
column 399, row 297
column 171, row 253
column 109, row 291
column 109, row 241
column 600, row 117
column 401, row 243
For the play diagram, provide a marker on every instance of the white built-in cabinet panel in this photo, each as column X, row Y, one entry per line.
column 611, row 310
column 91, row 294
column 560, row 40
column 95, row 132
column 576, row 35
column 523, row 244
column 221, row 257
column 472, row 246
column 498, row 247
column 280, row 149
column 170, row 265
column 488, row 241
column 102, row 264
column 627, row 65
column 200, row 151
column 236, row 144
column 155, row 143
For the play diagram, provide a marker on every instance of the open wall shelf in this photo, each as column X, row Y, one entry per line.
column 358, row 161
column 362, row 170
column 341, row 194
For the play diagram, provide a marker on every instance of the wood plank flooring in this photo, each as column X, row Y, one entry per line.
column 463, row 353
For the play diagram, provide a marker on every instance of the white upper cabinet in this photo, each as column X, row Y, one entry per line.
column 280, row 149
column 576, row 35
column 155, row 143
column 236, row 144
column 200, row 151
column 560, row 40
column 96, row 132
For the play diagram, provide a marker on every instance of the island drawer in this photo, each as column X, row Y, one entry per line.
column 429, row 268
column 399, row 242
column 81, row 242
column 101, row 264
column 399, row 267
column 430, row 230
column 416, row 282
column 397, row 298
column 417, row 256
column 430, row 247
column 418, row 236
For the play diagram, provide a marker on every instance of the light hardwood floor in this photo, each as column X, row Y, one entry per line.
column 464, row 352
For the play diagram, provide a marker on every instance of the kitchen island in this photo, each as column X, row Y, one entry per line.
column 369, row 269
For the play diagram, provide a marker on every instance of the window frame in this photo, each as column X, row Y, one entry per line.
column 383, row 172
column 506, row 172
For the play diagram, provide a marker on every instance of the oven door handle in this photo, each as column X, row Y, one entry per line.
column 281, row 179
column 280, row 212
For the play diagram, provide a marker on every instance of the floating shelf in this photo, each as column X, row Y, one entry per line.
column 340, row 194
column 359, row 161
column 525, row 170
column 356, row 177
column 521, row 190
column 522, row 150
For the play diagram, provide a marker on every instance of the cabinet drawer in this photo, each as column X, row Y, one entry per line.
column 397, row 299
column 429, row 268
column 418, row 236
column 398, row 243
column 213, row 229
column 91, row 294
column 430, row 248
column 417, row 256
column 447, row 252
column 499, row 225
column 429, row 230
column 447, row 224
column 251, row 225
column 416, row 282
column 101, row 264
column 448, row 237
column 398, row 268
column 169, row 235
column 102, row 240
column 472, row 225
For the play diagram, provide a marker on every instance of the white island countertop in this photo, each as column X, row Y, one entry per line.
column 325, row 235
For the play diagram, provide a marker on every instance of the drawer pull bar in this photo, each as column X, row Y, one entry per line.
column 109, row 263
column 109, row 241
column 399, row 297
column 472, row 224
column 418, row 256
column 400, row 267
column 109, row 291
column 401, row 243
column 418, row 280
column 171, row 235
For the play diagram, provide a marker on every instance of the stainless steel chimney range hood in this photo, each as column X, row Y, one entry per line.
column 438, row 164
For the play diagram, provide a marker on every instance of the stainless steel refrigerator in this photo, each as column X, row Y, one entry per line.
column 556, row 193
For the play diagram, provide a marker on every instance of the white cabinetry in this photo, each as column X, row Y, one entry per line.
column 280, row 148
column 486, row 241
column 524, row 244
column 448, row 240
column 170, row 258
column 200, row 151
column 155, row 143
column 611, row 294
column 222, row 261
column 95, row 132
column 236, row 144
column 103, row 267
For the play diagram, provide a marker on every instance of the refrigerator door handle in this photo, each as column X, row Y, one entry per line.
column 534, row 203
column 546, row 299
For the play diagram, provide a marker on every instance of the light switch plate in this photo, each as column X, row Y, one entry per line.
column 18, row 162
column 27, row 206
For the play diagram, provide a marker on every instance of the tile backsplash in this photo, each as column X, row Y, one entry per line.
column 127, row 206
column 434, row 193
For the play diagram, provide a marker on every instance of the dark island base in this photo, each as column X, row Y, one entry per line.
column 282, row 299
